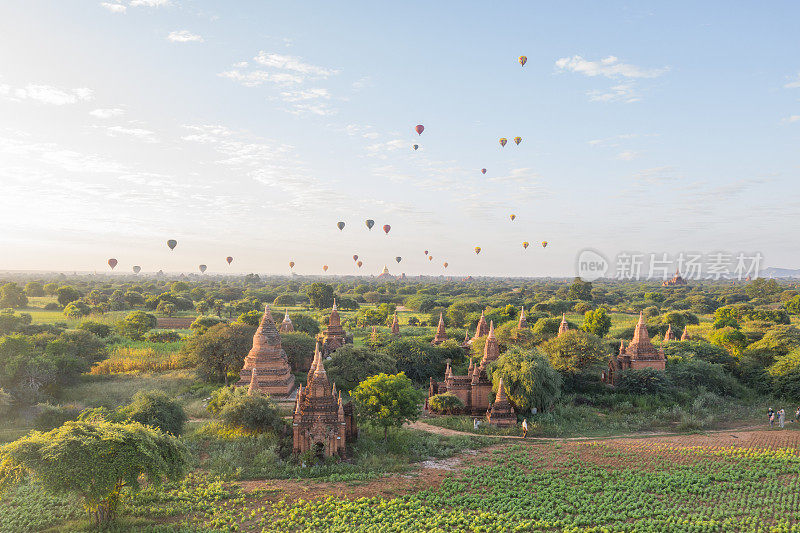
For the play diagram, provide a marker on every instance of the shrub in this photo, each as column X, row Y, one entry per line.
column 52, row 416
column 136, row 324
column 251, row 412
column 528, row 378
column 155, row 408
column 447, row 403
column 299, row 348
column 77, row 309
column 163, row 336
column 349, row 365
column 97, row 328
column 691, row 374
column 643, row 381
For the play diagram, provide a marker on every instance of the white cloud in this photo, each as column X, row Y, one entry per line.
column 618, row 93
column 305, row 94
column 627, row 155
column 47, row 94
column 613, row 141
column 792, row 118
column 254, row 78
column 794, row 84
column 184, row 36
column 609, row 67
column 149, row 3
column 114, row 8
column 292, row 63
column 107, row 113
column 138, row 133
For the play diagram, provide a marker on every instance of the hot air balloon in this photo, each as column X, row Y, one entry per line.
column 445, row 264
column 202, row 268
column 503, row 141
column 483, row 171
column 430, row 258
column 416, row 146
column 340, row 225
column 369, row 224
column 291, row 264
column 112, row 263
column 359, row 264
column 137, row 269
column 229, row 259
column 477, row 250
column 517, row 140
column 398, row 258
column 325, row 268
column 172, row 243
column 355, row 258
column 419, row 129
column 525, row 244
column 386, row 228
column 512, row 216
column 523, row 60
column 544, row 244
column 426, row 252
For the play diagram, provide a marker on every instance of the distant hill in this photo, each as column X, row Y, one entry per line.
column 773, row 272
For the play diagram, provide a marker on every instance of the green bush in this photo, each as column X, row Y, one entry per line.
column 52, row 416
column 691, row 374
column 252, row 412
column 446, row 403
column 643, row 381
column 97, row 328
column 163, row 336
column 155, row 408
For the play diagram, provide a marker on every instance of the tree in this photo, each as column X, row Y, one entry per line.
column 155, row 408
column 573, row 351
column 320, row 295
column 97, row 328
column 136, row 324
column 67, row 294
column 11, row 295
column 34, row 289
column 252, row 412
column 77, row 309
column 202, row 323
column 580, row 290
column 642, row 381
column 350, row 364
column 305, row 323
column 51, row 288
column 96, row 460
column 220, row 350
column 731, row 339
column 528, row 378
column 387, row 401
column 596, row 322
column 299, row 348
column 166, row 308
column 447, row 403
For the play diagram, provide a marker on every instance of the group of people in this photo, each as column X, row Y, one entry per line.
column 781, row 416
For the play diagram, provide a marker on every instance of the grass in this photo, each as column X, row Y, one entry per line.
column 141, row 356
column 113, row 391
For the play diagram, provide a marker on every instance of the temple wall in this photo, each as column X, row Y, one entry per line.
column 657, row 365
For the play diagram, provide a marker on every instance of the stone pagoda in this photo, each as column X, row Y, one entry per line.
column 481, row 330
column 670, row 335
column 266, row 367
column 321, row 423
column 501, row 413
column 474, row 388
column 564, row 326
column 286, row 325
column 640, row 353
column 685, row 336
column 334, row 336
column 395, row 326
column 523, row 322
column 441, row 334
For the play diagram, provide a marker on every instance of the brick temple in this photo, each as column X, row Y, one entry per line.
column 639, row 353
column 334, row 336
column 441, row 334
column 266, row 367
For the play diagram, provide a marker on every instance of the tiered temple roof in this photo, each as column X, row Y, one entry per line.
column 441, row 334
column 564, row 326
column 640, row 353
column 286, row 325
column 266, row 367
column 334, row 336
column 685, row 336
column 482, row 329
column 675, row 281
column 491, row 350
column 501, row 413
column 670, row 335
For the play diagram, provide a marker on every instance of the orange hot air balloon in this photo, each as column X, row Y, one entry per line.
column 369, row 223
column 229, row 259
column 430, row 258
column 419, row 129
column 325, row 268
column 512, row 216
column 398, row 258
column 544, row 244
column 523, row 60
column 503, row 141
column 355, row 258
column 386, row 228
column 340, row 225
column 172, row 243
column 477, row 250
column 416, row 147
column 291, row 264
column 202, row 268
column 112, row 263
column 517, row 140
column 445, row 264
column 359, row 264
column 483, row 171
column 525, row 244
column 137, row 269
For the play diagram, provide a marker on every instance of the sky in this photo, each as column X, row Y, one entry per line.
column 250, row 128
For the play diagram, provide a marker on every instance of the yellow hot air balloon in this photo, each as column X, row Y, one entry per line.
column 544, row 244
column 503, row 141
column 512, row 216
column 517, row 140
column 430, row 258
column 477, row 250
column 525, row 244
column 523, row 60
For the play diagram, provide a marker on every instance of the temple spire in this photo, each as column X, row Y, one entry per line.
column 564, row 326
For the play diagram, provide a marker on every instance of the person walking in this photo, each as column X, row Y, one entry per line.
column 771, row 416
column 524, row 428
column 797, row 415
column 781, row 417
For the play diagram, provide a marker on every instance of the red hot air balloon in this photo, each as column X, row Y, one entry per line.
column 445, row 264
column 229, row 259
column 137, row 269
column 483, row 171
column 386, row 228
column 325, row 268
column 419, row 129
column 202, row 268
column 522, row 60
column 112, row 263
column 359, row 264
column 355, row 258
column 172, row 243
column 525, row 244
column 291, row 264
column 340, row 225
